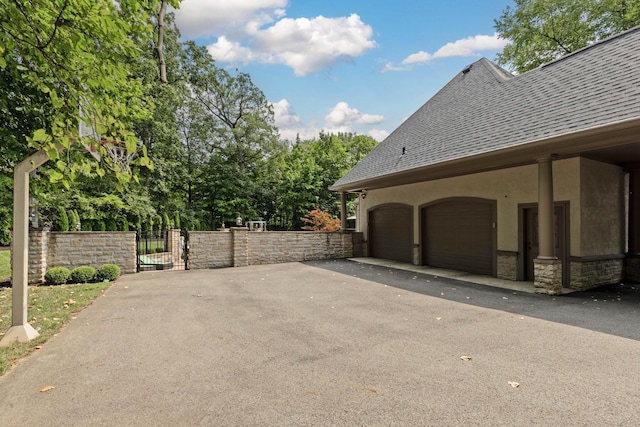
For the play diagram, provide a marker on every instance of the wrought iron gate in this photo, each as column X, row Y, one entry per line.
column 162, row 250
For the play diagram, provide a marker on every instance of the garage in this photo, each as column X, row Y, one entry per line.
column 460, row 234
column 390, row 232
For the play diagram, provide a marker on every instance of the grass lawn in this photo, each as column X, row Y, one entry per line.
column 50, row 308
column 5, row 265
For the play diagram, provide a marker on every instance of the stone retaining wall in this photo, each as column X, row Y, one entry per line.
column 239, row 247
column 210, row 249
column 207, row 249
column 74, row 249
column 290, row 246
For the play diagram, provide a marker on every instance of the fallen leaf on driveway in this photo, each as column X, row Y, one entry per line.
column 465, row 358
column 514, row 384
column 47, row 388
column 438, row 318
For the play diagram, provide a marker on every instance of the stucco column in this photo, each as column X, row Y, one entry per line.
column 545, row 209
column 634, row 211
column 343, row 211
column 547, row 268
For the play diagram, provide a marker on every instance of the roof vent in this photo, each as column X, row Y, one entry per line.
column 404, row 150
column 467, row 69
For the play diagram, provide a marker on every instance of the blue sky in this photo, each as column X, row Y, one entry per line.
column 358, row 66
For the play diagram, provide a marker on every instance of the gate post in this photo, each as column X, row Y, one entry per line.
column 173, row 245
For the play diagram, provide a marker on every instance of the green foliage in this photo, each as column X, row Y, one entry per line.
column 5, row 264
column 74, row 219
column 86, row 225
column 111, row 224
column 543, row 30
column 73, row 56
column 5, row 226
column 209, row 132
column 57, row 276
column 123, row 224
column 310, row 168
column 61, row 221
column 83, row 274
column 107, row 272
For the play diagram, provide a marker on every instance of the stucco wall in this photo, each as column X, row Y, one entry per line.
column 509, row 187
column 602, row 215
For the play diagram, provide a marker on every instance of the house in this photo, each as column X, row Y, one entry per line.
column 532, row 177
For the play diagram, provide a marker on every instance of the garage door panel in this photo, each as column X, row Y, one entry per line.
column 390, row 233
column 459, row 235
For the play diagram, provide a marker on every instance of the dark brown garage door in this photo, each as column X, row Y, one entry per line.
column 390, row 232
column 460, row 235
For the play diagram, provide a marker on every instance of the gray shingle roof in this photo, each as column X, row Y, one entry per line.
column 484, row 108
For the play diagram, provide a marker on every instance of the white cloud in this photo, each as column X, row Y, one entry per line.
column 202, row 18
column 342, row 116
column 390, row 67
column 463, row 47
column 257, row 31
column 228, row 51
column 311, row 45
column 378, row 134
column 283, row 115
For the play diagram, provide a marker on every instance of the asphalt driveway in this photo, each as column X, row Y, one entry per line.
column 331, row 344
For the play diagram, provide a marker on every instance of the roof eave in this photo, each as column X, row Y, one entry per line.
column 561, row 146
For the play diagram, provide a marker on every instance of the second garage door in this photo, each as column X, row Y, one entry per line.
column 390, row 232
column 460, row 235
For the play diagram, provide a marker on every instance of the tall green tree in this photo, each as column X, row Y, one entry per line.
column 311, row 167
column 234, row 130
column 543, row 30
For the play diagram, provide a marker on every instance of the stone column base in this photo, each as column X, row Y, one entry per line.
column 547, row 276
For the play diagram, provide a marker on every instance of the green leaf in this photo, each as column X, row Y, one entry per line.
column 40, row 135
column 55, row 176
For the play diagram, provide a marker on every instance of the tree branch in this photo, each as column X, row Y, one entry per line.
column 159, row 46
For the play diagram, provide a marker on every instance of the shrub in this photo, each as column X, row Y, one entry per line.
column 320, row 220
column 177, row 220
column 100, row 225
column 57, row 276
column 166, row 222
column 74, row 219
column 61, row 221
column 107, row 272
column 83, row 274
column 111, row 224
column 86, row 225
column 123, row 224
